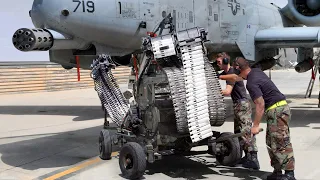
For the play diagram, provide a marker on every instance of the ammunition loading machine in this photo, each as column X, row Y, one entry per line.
column 177, row 101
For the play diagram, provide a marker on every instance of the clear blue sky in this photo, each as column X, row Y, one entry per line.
column 280, row 3
column 14, row 15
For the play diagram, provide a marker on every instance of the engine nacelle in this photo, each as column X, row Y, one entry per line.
column 306, row 12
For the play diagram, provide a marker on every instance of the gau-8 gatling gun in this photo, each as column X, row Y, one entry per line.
column 177, row 103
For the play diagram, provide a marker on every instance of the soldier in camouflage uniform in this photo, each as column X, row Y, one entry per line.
column 242, row 113
column 272, row 102
column 243, row 123
column 278, row 138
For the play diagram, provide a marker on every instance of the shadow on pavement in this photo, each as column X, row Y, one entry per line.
column 244, row 174
column 302, row 117
column 63, row 149
column 198, row 168
column 69, row 148
column 81, row 113
column 299, row 96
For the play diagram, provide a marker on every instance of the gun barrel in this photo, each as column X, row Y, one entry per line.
column 25, row 39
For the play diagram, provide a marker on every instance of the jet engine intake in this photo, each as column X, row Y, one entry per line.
column 306, row 12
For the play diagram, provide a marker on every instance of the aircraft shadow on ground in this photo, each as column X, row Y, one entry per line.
column 198, row 168
column 81, row 113
column 61, row 150
column 70, row 148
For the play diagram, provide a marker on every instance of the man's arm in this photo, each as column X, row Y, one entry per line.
column 257, row 97
column 231, row 77
column 228, row 90
column 259, row 102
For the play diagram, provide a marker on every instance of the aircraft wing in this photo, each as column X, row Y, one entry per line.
column 290, row 37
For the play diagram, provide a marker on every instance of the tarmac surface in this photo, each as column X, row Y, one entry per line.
column 54, row 135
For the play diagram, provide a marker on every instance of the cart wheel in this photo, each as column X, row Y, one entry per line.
column 132, row 160
column 105, row 145
column 229, row 153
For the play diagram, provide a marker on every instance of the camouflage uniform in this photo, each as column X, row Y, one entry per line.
column 278, row 138
column 243, row 123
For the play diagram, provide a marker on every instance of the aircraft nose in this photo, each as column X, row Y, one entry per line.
column 36, row 14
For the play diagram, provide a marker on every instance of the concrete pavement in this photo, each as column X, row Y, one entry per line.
column 55, row 135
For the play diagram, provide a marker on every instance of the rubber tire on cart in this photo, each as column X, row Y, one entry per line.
column 105, row 144
column 132, row 160
column 234, row 152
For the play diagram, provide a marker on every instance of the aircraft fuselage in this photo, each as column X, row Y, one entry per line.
column 117, row 26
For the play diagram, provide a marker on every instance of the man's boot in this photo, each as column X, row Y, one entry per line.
column 289, row 175
column 276, row 175
column 245, row 158
column 252, row 161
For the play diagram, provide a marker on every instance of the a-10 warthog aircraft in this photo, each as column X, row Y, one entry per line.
column 254, row 29
column 169, row 45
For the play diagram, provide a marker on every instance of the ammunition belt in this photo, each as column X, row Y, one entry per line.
column 108, row 90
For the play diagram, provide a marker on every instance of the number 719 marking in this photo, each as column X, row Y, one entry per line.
column 89, row 4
